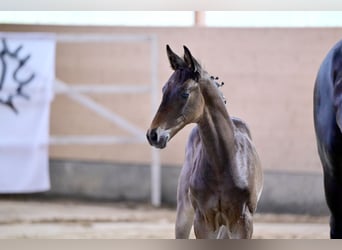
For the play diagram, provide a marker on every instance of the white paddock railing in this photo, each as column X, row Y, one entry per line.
column 79, row 93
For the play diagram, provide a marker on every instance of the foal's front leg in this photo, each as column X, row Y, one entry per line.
column 185, row 212
column 184, row 219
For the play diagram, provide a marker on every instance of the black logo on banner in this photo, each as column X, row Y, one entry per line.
column 14, row 76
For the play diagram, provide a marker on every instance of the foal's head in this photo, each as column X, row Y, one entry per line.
column 182, row 101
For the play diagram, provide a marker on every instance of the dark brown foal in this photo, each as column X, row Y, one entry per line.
column 221, row 179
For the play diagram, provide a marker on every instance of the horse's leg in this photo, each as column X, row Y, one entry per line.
column 243, row 228
column 185, row 212
column 223, row 233
column 201, row 229
column 333, row 195
column 184, row 219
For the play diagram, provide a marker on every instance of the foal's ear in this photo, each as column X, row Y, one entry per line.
column 190, row 60
column 175, row 61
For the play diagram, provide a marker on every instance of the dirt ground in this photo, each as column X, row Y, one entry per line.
column 65, row 219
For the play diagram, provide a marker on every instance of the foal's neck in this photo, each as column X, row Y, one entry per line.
column 216, row 129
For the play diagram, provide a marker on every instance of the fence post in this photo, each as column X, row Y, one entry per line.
column 155, row 164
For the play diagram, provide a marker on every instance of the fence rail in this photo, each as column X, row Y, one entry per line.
column 78, row 93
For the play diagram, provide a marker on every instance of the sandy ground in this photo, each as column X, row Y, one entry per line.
column 61, row 219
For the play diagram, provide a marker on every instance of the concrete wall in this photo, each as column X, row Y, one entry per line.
column 298, row 193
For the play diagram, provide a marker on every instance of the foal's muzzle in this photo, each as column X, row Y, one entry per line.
column 156, row 138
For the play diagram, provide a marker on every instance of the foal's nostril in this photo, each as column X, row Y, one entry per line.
column 153, row 135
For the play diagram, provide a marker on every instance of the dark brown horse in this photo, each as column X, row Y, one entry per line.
column 328, row 127
column 221, row 179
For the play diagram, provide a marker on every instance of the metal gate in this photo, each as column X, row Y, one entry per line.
column 78, row 93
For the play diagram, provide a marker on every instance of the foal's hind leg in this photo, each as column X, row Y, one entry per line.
column 201, row 229
column 222, row 233
column 243, row 228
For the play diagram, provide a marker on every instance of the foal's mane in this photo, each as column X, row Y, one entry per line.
column 219, row 85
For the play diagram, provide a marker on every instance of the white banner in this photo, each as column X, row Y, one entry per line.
column 27, row 73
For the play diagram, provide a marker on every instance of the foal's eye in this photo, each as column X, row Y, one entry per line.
column 185, row 95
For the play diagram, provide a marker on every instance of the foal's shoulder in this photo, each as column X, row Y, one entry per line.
column 241, row 126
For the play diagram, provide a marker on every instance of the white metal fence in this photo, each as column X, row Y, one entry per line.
column 79, row 93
